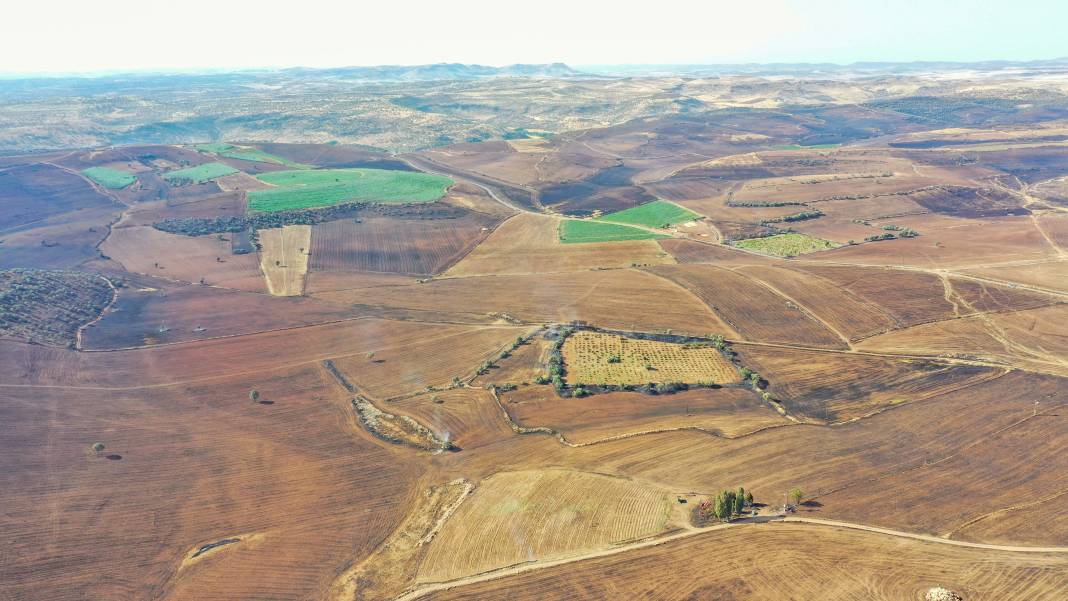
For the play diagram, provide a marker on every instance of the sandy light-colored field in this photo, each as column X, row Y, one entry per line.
column 542, row 514
column 776, row 561
column 284, row 258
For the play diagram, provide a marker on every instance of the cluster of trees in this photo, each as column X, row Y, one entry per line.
column 727, row 504
column 199, row 226
column 802, row 216
column 764, row 203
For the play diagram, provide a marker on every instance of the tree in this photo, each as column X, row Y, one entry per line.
column 748, row 498
column 739, row 501
column 98, row 447
column 797, row 494
column 254, row 395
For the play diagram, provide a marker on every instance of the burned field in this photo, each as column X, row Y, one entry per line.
column 418, row 393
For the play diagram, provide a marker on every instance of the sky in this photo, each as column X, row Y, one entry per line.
column 65, row 36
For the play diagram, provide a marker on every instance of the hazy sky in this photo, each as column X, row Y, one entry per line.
column 83, row 35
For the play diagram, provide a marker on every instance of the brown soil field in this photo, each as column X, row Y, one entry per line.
column 222, row 358
column 391, row 568
column 777, row 561
column 329, row 281
column 139, row 249
column 284, row 258
column 954, row 243
column 193, row 464
column 1034, row 339
column 62, row 241
column 1052, row 275
column 908, row 297
column 588, row 359
column 32, row 193
column 196, row 312
column 333, row 155
column 947, row 451
column 523, row 365
column 513, row 517
column 751, row 309
column 835, row 387
column 688, row 251
column 224, row 204
column 718, row 411
column 621, row 299
column 391, row 245
column 529, row 243
column 411, row 368
column 471, row 197
column 911, row 298
column 468, row 417
column 495, row 159
column 844, row 311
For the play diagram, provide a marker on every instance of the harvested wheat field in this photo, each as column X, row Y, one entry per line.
column 467, row 417
column 202, row 464
column 836, row 387
column 523, row 365
column 284, row 258
column 598, row 358
column 753, row 310
column 397, row 370
column 776, row 561
column 513, row 517
column 392, row 245
column 721, row 412
column 1034, row 339
column 530, row 243
column 623, row 299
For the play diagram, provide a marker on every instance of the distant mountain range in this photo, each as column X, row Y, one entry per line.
column 816, row 69
column 441, row 71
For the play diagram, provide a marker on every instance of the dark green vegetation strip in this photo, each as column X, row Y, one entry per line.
column 573, row 231
column 322, row 187
column 110, row 178
column 200, row 173
column 658, row 213
column 48, row 307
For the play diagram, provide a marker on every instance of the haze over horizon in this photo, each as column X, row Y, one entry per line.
column 124, row 36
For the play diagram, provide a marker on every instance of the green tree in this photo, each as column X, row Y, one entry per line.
column 98, row 447
column 254, row 395
column 797, row 494
column 748, row 498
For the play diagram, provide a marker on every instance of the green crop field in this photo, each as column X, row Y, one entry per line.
column 573, row 231
column 324, row 187
column 200, row 173
column 110, row 178
column 659, row 213
column 214, row 147
column 785, row 245
column 242, row 153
